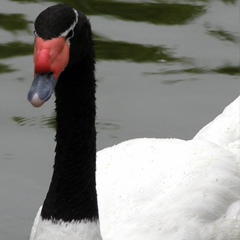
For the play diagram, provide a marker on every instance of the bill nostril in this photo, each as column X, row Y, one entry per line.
column 49, row 74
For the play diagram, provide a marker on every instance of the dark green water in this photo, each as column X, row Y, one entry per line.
column 164, row 69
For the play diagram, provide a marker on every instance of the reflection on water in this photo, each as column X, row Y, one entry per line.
column 163, row 12
column 151, row 12
column 230, row 70
column 224, row 35
column 230, row 1
column 5, row 68
column 13, row 22
column 46, row 121
column 14, row 49
column 40, row 121
column 131, row 51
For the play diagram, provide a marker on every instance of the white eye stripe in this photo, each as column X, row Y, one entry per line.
column 35, row 33
column 65, row 33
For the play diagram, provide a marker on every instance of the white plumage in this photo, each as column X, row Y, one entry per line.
column 173, row 189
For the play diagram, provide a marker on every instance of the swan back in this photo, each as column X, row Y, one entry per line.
column 225, row 128
column 173, row 189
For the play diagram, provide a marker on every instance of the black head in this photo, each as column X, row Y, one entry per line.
column 56, row 21
column 63, row 43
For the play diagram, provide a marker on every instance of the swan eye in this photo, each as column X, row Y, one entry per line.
column 70, row 34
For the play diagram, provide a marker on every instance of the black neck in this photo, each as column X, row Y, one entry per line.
column 72, row 192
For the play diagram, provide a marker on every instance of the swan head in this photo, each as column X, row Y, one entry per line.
column 58, row 31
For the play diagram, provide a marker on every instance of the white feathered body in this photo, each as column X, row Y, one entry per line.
column 170, row 189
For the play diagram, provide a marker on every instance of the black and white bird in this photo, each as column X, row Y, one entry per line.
column 142, row 189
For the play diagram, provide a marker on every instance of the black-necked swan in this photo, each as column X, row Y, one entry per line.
column 145, row 189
